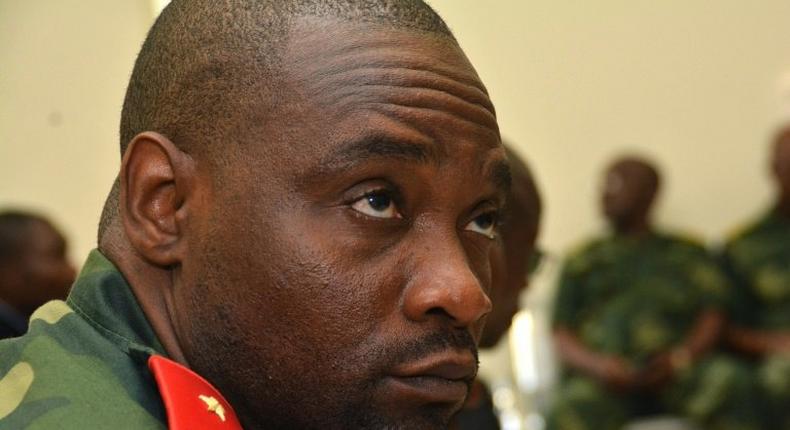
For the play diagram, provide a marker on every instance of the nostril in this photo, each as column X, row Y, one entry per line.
column 438, row 311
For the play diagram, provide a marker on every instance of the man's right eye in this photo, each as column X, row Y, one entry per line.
column 378, row 204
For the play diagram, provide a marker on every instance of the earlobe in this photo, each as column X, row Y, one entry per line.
column 156, row 182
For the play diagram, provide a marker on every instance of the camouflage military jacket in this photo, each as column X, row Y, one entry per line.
column 637, row 297
column 758, row 258
column 83, row 362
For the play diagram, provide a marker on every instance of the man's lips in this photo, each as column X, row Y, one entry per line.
column 437, row 378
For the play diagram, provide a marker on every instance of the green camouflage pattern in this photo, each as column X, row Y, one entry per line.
column 636, row 298
column 83, row 362
column 717, row 393
column 758, row 261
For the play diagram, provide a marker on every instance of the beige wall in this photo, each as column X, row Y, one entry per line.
column 64, row 65
column 695, row 84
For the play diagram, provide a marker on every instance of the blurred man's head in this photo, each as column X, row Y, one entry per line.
column 630, row 188
column 309, row 197
column 519, row 234
column 34, row 268
column 781, row 163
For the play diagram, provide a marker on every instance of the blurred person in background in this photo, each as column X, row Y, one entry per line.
column 34, row 268
column 758, row 259
column 517, row 260
column 636, row 315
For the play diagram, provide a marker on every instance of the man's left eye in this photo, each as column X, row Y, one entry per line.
column 485, row 224
column 377, row 204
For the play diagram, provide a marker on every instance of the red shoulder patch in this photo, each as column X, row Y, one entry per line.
column 190, row 401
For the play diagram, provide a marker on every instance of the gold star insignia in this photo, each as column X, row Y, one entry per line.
column 213, row 406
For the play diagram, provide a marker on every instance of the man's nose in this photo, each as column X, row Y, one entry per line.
column 445, row 286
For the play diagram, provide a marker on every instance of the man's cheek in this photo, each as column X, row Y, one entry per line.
column 338, row 275
column 336, row 309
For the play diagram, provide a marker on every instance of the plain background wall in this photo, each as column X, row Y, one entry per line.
column 64, row 66
column 698, row 85
column 695, row 84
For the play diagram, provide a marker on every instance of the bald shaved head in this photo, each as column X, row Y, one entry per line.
column 209, row 70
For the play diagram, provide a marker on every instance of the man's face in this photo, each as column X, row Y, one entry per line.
column 616, row 199
column 47, row 272
column 625, row 195
column 340, row 263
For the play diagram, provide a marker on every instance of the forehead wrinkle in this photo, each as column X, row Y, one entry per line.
column 428, row 99
column 393, row 51
column 413, row 96
column 399, row 58
column 398, row 75
column 489, row 137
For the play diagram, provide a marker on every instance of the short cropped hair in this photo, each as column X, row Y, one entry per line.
column 205, row 63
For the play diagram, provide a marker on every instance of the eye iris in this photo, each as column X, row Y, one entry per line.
column 485, row 221
column 379, row 202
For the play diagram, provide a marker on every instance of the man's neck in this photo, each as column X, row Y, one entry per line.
column 633, row 229
column 148, row 284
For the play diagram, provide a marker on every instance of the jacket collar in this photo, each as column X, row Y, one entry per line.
column 104, row 299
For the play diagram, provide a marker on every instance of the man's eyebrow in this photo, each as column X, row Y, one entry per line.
column 378, row 146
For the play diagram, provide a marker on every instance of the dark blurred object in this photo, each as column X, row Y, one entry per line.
column 478, row 412
column 519, row 257
column 511, row 266
column 33, row 268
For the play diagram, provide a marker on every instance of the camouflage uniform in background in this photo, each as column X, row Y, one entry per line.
column 636, row 298
column 758, row 259
column 83, row 362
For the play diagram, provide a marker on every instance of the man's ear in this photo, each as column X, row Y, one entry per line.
column 156, row 188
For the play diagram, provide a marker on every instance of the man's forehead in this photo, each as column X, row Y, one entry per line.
column 337, row 58
column 410, row 82
column 331, row 37
column 370, row 92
